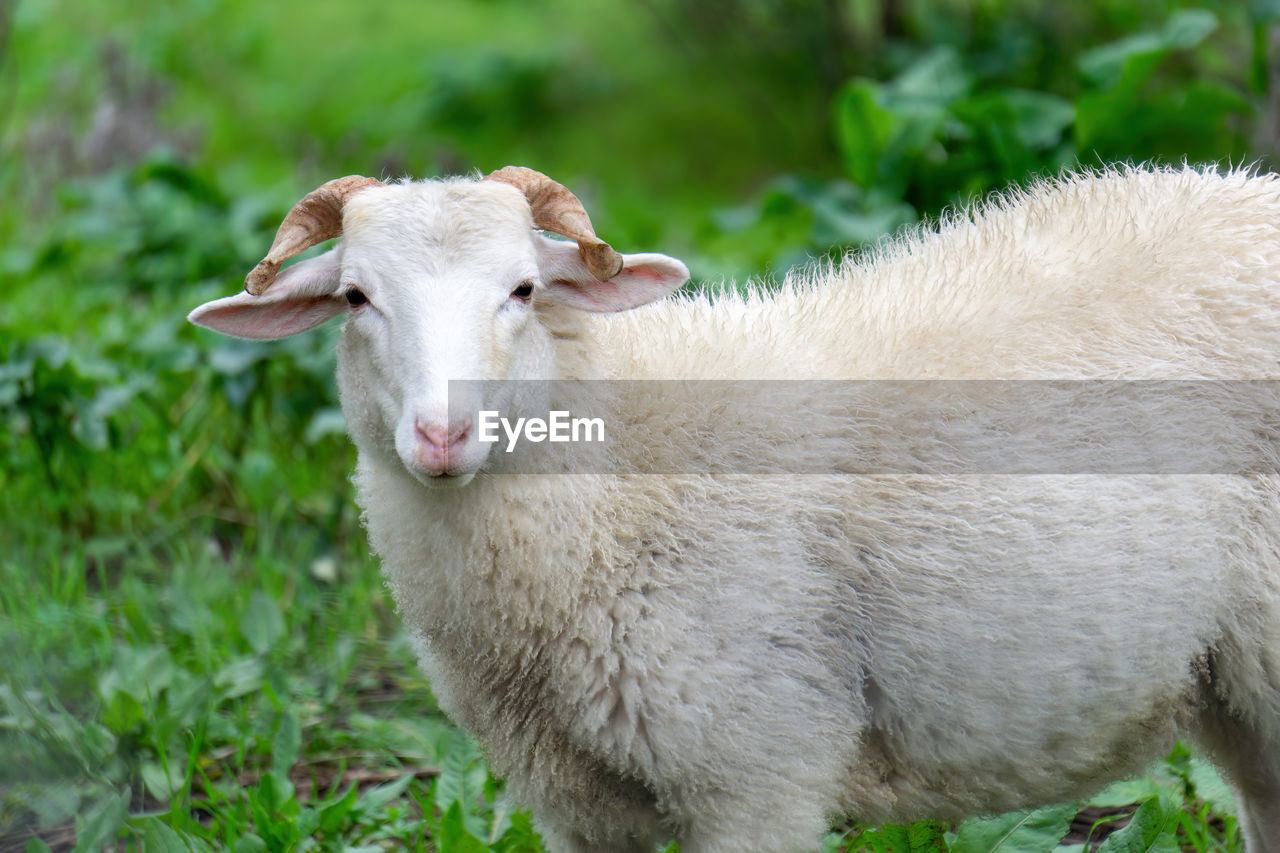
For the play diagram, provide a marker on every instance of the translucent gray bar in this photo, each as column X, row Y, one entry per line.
column 879, row 427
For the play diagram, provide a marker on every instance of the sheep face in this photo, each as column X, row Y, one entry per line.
column 440, row 281
column 443, row 277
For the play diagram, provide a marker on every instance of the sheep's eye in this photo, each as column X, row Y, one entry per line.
column 523, row 291
column 356, row 297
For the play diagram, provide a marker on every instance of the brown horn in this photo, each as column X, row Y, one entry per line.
column 558, row 210
column 318, row 217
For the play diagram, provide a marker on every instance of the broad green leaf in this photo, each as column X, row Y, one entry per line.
column 334, row 815
column 890, row 838
column 843, row 214
column 146, row 670
column 1188, row 27
column 287, row 742
column 110, row 400
column 881, row 136
column 926, row 837
column 307, row 821
column 275, row 811
column 1104, row 66
column 521, row 837
column 122, row 713
column 239, row 677
column 938, row 77
column 57, row 802
column 461, row 780
column 501, row 820
column 159, row 837
column 138, row 675
column 52, row 350
column 163, row 785
column 90, row 430
column 1127, row 791
column 863, row 128
column 1150, row 830
column 276, row 794
column 263, row 623
column 250, row 843
column 834, row 842
column 1039, row 119
column 454, row 835
column 375, row 799
column 102, row 824
column 1036, row 831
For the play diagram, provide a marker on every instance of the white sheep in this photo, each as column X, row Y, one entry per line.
column 736, row 660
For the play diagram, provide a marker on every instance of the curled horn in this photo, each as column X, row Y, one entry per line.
column 318, row 217
column 558, row 210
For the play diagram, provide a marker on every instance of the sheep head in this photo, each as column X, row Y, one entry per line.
column 440, row 280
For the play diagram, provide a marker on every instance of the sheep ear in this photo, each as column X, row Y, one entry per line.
column 301, row 298
column 643, row 278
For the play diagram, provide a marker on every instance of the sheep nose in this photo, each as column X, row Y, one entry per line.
column 437, row 441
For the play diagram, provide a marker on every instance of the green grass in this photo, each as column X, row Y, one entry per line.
column 248, row 699
column 196, row 650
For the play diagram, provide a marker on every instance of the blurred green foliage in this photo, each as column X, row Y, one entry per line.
column 195, row 648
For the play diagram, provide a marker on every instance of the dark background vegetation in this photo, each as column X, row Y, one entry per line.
column 195, row 649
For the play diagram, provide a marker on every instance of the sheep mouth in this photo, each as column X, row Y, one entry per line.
column 455, row 467
column 443, row 479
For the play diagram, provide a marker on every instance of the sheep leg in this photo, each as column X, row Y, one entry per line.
column 758, row 822
column 1256, row 777
column 1251, row 764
